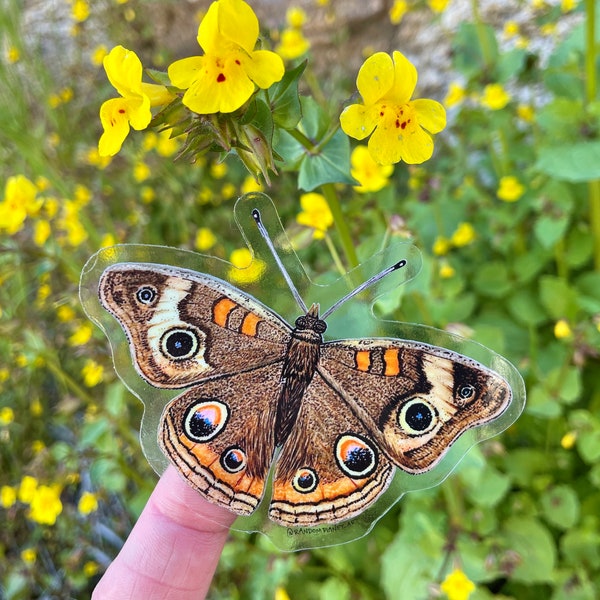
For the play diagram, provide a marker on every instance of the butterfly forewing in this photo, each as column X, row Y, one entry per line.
column 415, row 399
column 184, row 326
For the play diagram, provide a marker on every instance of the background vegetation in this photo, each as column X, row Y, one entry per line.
column 506, row 214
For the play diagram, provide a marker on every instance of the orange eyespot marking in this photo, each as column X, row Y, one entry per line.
column 221, row 311
column 363, row 360
column 250, row 324
column 392, row 365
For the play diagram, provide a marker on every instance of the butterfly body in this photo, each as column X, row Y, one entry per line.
column 331, row 419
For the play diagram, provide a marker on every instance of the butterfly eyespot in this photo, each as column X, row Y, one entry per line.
column 355, row 456
column 180, row 343
column 233, row 459
column 203, row 421
column 146, row 294
column 466, row 392
column 417, row 417
column 305, row 480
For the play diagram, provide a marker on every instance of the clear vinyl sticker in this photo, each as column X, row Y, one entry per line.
column 307, row 417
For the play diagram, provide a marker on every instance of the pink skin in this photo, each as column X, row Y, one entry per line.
column 173, row 550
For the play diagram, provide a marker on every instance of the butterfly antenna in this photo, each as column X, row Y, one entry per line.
column 286, row 275
column 364, row 286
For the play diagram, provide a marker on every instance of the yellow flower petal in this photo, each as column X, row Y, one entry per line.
column 124, row 71
column 113, row 115
column 405, row 79
column 375, row 77
column 358, row 121
column 182, row 73
column 431, row 115
column 232, row 20
column 264, row 68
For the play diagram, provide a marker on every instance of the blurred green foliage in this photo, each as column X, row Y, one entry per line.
column 517, row 270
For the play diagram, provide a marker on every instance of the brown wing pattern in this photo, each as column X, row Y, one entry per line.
column 184, row 326
column 414, row 399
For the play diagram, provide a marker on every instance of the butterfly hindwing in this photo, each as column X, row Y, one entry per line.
column 330, row 468
column 415, row 399
column 220, row 435
column 184, row 326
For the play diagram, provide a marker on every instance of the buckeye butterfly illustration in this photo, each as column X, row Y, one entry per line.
column 322, row 425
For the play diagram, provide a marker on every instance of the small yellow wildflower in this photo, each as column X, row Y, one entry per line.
column 251, row 184
column 568, row 5
column 166, row 145
column 4, row 374
column 93, row 157
column 295, row 17
column 108, row 240
column 224, row 78
column 456, row 95
column 205, row 239
column 495, row 97
column 147, row 194
column 446, row 271
column 228, row 191
column 562, row 329
column 37, row 446
column 82, row 335
column 36, row 408
column 43, row 293
column 141, row 171
column 399, row 128
column 65, row 313
column 397, row 11
column 218, row 170
column 548, row 29
column 27, row 489
column 315, row 213
column 80, row 10
column 29, row 556
column 13, row 54
column 522, row 42
column 293, row 44
column 568, row 440
column 510, row 189
column 88, row 503
column 457, row 586
column 441, row 246
column 45, row 505
column 281, row 593
column 92, row 373
column 525, row 112
column 438, row 6
column 371, row 175
column 511, row 29
column 98, row 55
column 41, row 232
column 8, row 496
column 245, row 269
column 464, row 235
column 19, row 202
column 90, row 568
column 7, row 415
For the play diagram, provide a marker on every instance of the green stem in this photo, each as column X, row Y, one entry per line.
column 340, row 224
column 335, row 255
column 594, row 199
column 486, row 51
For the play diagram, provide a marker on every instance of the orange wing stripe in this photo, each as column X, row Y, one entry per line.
column 392, row 365
column 221, row 311
column 363, row 360
column 249, row 324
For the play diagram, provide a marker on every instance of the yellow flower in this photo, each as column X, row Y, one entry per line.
column 205, row 239
column 281, row 593
column 92, row 157
column 562, row 329
column 228, row 190
column 81, row 335
column 27, row 489
column 510, row 189
column 92, row 373
column 37, row 446
column 457, row 586
column 371, row 175
column 397, row 12
column 36, row 407
column 45, row 506
column 90, row 568
column 568, row 440
column 29, row 556
column 456, row 94
column 65, row 313
column 41, row 232
column 511, row 29
column 98, row 54
column 438, row 6
column 463, row 236
column 400, row 127
column 224, row 78
column 141, row 171
column 7, row 415
column 88, row 503
column 218, row 170
column 8, row 496
column 525, row 112
column 124, row 71
column 295, row 17
column 292, row 45
column 245, row 269
column 19, row 202
column 315, row 213
column 250, row 184
column 495, row 97
column 568, row 5
column 548, row 29
column 441, row 246
column 446, row 270
column 108, row 239
column 165, row 144
column 80, row 10
column 13, row 54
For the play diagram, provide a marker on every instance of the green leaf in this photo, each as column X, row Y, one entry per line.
column 549, row 229
column 560, row 506
column 541, row 404
column 525, row 307
column 492, row 279
column 285, row 100
column 535, row 549
column 330, row 165
column 557, row 297
column 469, row 58
column 574, row 162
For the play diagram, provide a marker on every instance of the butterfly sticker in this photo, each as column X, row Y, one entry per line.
column 270, row 411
